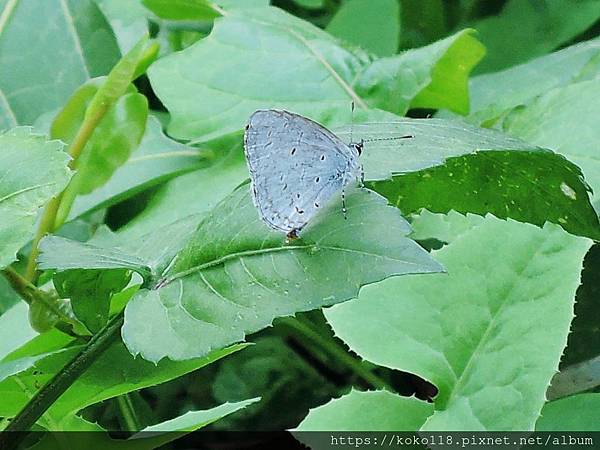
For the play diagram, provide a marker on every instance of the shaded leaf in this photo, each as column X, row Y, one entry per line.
column 90, row 292
column 470, row 331
column 32, row 170
column 373, row 26
column 484, row 171
column 77, row 36
column 222, row 286
column 279, row 375
column 565, row 120
column 367, row 411
column 575, row 378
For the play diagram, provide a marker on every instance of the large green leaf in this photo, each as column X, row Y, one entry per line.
column 367, row 411
column 576, row 413
column 470, row 331
column 484, row 171
column 374, row 26
column 236, row 276
column 564, row 119
column 288, row 63
column 148, row 254
column 493, row 94
column 77, row 45
column 525, row 29
column 157, row 159
column 32, row 170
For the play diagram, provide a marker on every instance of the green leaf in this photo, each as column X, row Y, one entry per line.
column 564, row 119
column 194, row 193
column 156, row 160
column 484, row 171
column 183, row 9
column 100, row 382
column 32, row 170
column 470, row 331
column 367, row 411
column 576, row 413
column 77, row 36
column 442, row 227
column 293, row 65
column 14, row 329
column 148, row 254
column 65, row 254
column 128, row 20
column 374, row 26
column 90, row 292
column 525, row 29
column 223, row 286
column 193, row 420
column 150, row 437
column 493, row 94
column 435, row 76
column 118, row 80
column 115, row 137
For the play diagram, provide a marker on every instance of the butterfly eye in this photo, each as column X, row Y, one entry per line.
column 359, row 147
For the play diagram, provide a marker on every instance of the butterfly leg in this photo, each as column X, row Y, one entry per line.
column 292, row 235
column 361, row 182
column 344, row 210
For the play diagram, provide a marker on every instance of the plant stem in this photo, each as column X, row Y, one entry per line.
column 128, row 417
column 340, row 354
column 48, row 222
column 14, row 433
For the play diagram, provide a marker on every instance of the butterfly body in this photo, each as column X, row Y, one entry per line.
column 296, row 166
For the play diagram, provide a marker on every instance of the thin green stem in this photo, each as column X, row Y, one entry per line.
column 14, row 433
column 306, row 331
column 48, row 222
column 129, row 420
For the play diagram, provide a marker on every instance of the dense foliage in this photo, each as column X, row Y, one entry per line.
column 143, row 291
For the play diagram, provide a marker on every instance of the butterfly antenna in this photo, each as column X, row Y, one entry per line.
column 408, row 136
column 344, row 210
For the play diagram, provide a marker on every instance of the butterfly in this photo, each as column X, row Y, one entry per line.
column 296, row 166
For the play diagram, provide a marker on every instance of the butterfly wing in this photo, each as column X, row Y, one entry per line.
column 296, row 165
